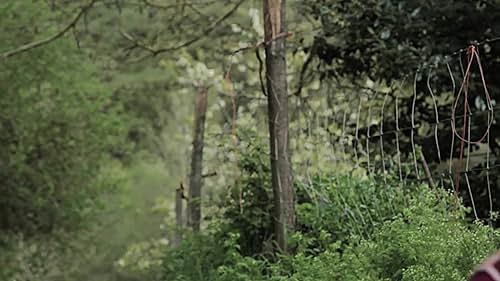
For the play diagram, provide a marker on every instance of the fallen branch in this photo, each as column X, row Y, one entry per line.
column 36, row 44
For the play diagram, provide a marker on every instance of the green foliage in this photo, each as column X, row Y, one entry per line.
column 388, row 39
column 426, row 244
column 244, row 226
column 58, row 127
column 349, row 228
column 346, row 206
column 6, row 7
column 414, row 234
column 362, row 45
column 64, row 113
column 248, row 208
column 197, row 257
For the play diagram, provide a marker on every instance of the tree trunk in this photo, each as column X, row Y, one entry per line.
column 195, row 178
column 274, row 28
column 179, row 196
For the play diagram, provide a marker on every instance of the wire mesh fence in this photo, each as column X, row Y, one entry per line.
column 434, row 126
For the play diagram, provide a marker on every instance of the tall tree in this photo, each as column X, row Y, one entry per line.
column 195, row 178
column 274, row 28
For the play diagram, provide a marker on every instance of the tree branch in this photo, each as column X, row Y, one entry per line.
column 302, row 75
column 210, row 29
column 176, row 5
column 212, row 174
column 36, row 44
column 262, row 43
column 259, row 58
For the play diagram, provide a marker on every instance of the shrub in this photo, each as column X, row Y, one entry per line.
column 198, row 256
column 348, row 229
column 340, row 207
column 248, row 207
column 426, row 241
column 58, row 125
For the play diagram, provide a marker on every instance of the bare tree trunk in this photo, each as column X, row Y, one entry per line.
column 179, row 196
column 275, row 27
column 195, row 178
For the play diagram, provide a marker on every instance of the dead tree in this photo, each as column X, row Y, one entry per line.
column 195, row 178
column 179, row 196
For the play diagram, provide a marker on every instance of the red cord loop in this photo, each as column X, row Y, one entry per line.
column 472, row 54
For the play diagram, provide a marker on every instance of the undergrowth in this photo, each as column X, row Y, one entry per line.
column 347, row 229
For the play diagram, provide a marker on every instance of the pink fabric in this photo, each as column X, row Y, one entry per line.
column 481, row 276
column 489, row 270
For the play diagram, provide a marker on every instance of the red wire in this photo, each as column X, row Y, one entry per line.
column 472, row 54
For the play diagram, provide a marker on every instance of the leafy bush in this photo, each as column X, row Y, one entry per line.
column 58, row 126
column 243, row 227
column 198, row 256
column 248, row 207
column 423, row 236
column 349, row 228
column 426, row 241
column 343, row 206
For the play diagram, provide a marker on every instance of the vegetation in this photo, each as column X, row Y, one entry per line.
column 58, row 125
column 247, row 140
column 404, row 233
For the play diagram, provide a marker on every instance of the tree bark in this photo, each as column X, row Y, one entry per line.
column 179, row 196
column 195, row 178
column 274, row 28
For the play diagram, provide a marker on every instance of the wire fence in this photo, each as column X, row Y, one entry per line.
column 389, row 145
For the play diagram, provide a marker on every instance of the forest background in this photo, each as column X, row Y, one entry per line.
column 99, row 99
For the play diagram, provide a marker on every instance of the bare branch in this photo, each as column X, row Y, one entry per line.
column 177, row 5
column 257, row 54
column 261, row 67
column 36, row 44
column 262, row 43
column 302, row 75
column 138, row 44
